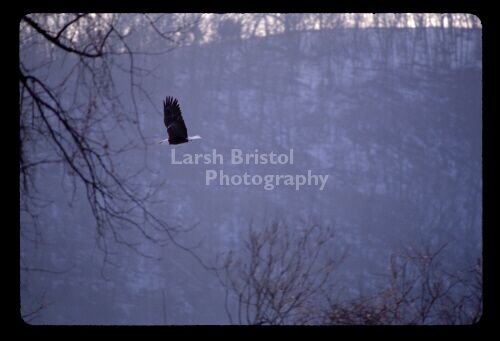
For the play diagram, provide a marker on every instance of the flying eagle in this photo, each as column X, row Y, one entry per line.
column 176, row 128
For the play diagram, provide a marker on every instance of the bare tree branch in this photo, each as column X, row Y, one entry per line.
column 278, row 275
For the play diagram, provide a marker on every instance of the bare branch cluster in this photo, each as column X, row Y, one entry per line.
column 279, row 274
column 420, row 291
column 285, row 276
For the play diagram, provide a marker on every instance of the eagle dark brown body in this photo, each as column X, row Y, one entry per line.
column 176, row 128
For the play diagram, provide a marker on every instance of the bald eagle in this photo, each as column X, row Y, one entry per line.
column 176, row 128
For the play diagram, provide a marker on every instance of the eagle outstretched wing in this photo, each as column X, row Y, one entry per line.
column 172, row 117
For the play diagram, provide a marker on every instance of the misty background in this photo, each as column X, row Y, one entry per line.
column 388, row 105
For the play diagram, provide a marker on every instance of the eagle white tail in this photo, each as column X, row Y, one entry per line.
column 162, row 141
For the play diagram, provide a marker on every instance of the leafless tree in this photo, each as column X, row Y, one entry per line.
column 79, row 85
column 71, row 75
column 284, row 276
column 278, row 275
column 420, row 291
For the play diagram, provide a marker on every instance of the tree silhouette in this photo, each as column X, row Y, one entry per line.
column 279, row 275
column 420, row 290
column 72, row 114
column 78, row 112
